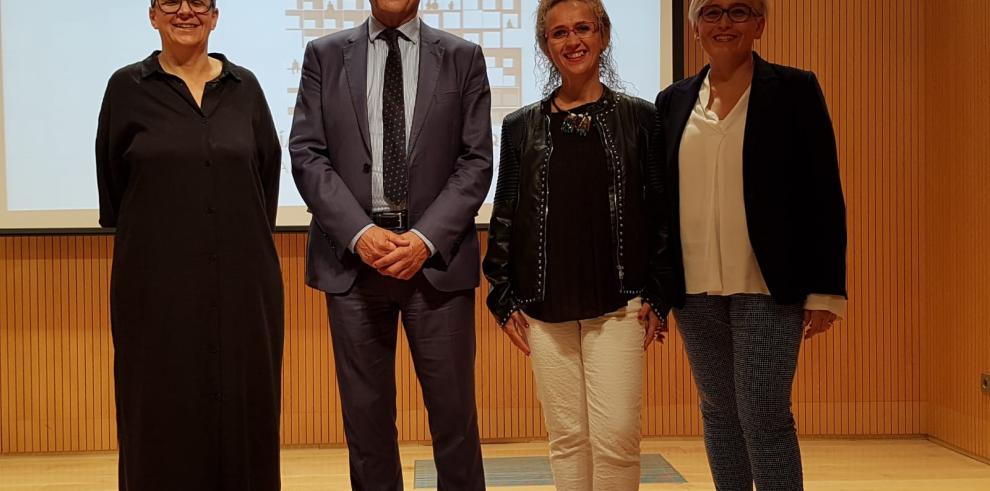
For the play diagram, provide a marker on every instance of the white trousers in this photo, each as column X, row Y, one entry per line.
column 589, row 378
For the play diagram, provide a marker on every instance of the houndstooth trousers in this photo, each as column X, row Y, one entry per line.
column 743, row 351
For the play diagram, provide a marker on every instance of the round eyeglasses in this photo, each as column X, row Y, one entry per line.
column 737, row 13
column 173, row 6
column 582, row 30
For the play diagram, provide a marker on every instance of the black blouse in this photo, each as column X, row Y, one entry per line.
column 582, row 281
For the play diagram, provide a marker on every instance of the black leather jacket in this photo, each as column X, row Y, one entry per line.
column 515, row 263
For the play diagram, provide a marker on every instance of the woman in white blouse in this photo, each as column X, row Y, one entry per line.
column 756, row 238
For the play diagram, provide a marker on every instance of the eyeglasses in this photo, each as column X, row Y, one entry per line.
column 173, row 6
column 737, row 13
column 582, row 30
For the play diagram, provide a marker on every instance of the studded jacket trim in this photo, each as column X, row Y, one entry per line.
column 516, row 262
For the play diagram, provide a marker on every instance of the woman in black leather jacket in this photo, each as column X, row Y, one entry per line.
column 572, row 237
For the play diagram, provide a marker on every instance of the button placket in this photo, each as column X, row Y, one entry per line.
column 213, row 340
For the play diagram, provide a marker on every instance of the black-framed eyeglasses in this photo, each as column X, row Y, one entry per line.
column 582, row 30
column 173, row 6
column 738, row 13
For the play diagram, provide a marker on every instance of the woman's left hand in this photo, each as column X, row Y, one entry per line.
column 817, row 322
column 654, row 325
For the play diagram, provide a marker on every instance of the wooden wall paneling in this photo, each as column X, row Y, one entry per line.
column 57, row 390
column 8, row 372
column 9, row 403
column 5, row 347
column 957, row 341
column 503, row 378
column 310, row 405
column 78, row 284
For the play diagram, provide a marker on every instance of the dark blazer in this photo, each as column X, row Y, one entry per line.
column 450, row 155
column 795, row 210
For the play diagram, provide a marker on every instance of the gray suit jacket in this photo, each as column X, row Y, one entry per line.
column 450, row 155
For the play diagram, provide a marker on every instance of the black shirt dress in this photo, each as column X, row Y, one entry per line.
column 196, row 291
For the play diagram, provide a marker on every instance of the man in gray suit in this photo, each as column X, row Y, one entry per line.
column 392, row 153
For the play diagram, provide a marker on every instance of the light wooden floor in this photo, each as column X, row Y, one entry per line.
column 873, row 465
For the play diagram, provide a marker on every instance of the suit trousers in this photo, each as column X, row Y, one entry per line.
column 589, row 378
column 440, row 329
column 743, row 351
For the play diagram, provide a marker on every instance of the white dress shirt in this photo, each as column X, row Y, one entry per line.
column 377, row 56
column 718, row 255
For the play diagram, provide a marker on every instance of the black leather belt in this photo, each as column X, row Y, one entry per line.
column 396, row 221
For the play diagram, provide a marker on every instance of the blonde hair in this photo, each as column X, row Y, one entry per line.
column 606, row 63
column 694, row 10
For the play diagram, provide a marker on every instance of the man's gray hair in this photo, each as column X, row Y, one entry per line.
column 213, row 3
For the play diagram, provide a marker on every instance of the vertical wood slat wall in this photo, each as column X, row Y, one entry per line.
column 865, row 378
column 957, row 178
column 56, row 379
column 56, row 384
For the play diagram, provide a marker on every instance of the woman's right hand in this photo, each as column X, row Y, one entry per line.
column 516, row 328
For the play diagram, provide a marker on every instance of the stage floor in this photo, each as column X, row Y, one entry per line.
column 847, row 465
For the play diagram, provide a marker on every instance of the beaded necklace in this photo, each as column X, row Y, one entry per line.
column 575, row 123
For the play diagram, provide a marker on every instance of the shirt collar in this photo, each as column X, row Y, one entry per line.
column 151, row 66
column 705, row 94
column 410, row 30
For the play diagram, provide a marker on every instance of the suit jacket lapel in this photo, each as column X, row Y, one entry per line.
column 761, row 95
column 356, row 66
column 430, row 62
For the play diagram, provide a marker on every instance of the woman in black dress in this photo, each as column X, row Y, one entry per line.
column 188, row 166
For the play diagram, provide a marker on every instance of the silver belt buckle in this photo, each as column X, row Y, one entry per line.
column 396, row 221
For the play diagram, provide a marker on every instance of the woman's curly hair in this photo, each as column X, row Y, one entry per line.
column 548, row 73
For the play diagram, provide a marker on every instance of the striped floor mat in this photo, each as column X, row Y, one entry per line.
column 535, row 471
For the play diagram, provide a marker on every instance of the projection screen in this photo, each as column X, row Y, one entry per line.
column 56, row 58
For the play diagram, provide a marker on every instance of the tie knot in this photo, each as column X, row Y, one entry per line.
column 391, row 36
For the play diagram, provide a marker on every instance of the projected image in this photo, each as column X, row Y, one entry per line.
column 51, row 97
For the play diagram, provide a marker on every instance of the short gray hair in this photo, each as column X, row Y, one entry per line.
column 694, row 10
column 213, row 3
